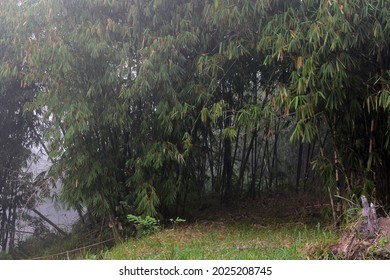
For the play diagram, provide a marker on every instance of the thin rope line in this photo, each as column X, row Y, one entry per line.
column 73, row 250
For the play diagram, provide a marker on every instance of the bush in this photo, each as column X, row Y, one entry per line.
column 144, row 226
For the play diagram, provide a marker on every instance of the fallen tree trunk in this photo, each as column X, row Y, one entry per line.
column 49, row 222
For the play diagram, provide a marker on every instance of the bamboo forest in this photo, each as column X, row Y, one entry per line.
column 164, row 118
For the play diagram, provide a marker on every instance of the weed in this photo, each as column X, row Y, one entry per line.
column 145, row 226
column 89, row 256
column 176, row 221
column 383, row 241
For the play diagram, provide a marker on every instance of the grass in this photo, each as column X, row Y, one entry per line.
column 229, row 241
column 269, row 229
column 291, row 228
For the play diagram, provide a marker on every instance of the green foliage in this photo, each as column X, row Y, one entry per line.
column 88, row 256
column 145, row 226
column 383, row 241
column 353, row 210
column 176, row 222
column 19, row 131
column 147, row 200
column 332, row 78
column 149, row 103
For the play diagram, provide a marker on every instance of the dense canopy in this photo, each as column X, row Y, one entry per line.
column 153, row 106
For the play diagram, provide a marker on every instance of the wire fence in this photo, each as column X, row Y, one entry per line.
column 72, row 254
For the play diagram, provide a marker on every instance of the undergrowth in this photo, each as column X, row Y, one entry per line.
column 263, row 229
column 234, row 241
column 55, row 246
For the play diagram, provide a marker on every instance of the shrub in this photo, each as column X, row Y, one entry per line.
column 144, row 226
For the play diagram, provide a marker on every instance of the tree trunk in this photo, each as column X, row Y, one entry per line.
column 227, row 173
column 252, row 189
column 240, row 180
column 309, row 156
column 259, row 185
column 299, row 167
column 11, row 244
column 211, row 160
column 275, row 155
column 246, row 158
column 49, row 222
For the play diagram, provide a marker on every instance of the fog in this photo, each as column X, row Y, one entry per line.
column 50, row 207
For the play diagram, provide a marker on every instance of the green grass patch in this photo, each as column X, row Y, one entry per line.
column 229, row 241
